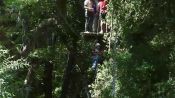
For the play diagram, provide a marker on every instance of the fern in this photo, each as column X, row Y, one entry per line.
column 7, row 68
column 9, row 64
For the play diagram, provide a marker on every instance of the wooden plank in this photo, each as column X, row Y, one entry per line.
column 91, row 34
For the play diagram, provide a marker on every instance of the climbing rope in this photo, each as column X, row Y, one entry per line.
column 25, row 39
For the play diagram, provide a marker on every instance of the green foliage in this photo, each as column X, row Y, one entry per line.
column 147, row 34
column 142, row 67
column 9, row 83
column 111, row 76
column 102, row 84
column 8, row 64
column 145, row 60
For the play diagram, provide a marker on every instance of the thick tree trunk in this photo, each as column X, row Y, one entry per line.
column 67, row 74
column 48, row 79
column 61, row 7
column 72, row 79
column 30, row 78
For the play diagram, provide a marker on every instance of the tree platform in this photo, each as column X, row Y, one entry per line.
column 91, row 34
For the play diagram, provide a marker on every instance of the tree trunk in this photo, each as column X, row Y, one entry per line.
column 67, row 74
column 48, row 68
column 61, row 7
column 29, row 80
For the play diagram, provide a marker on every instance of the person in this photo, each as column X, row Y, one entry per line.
column 96, row 58
column 90, row 10
column 96, row 17
column 102, row 10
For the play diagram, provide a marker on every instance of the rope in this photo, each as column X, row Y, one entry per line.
column 113, row 62
column 23, row 47
column 110, row 36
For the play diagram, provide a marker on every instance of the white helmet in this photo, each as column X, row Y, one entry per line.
column 97, row 45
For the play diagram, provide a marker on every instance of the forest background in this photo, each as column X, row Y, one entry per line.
column 43, row 55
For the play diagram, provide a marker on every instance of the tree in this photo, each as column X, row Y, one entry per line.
column 42, row 53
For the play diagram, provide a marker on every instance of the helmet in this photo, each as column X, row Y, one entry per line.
column 97, row 45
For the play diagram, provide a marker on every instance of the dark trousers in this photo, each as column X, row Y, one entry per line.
column 95, row 61
column 89, row 21
column 96, row 24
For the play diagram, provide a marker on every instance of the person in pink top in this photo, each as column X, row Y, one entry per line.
column 102, row 9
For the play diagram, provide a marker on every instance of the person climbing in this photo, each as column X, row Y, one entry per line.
column 90, row 10
column 102, row 10
column 96, row 58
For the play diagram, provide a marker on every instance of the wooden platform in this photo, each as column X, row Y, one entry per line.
column 91, row 37
column 91, row 34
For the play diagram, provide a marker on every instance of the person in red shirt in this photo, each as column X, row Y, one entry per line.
column 102, row 9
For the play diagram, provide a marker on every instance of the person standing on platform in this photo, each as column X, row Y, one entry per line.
column 90, row 10
column 102, row 10
column 96, row 18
